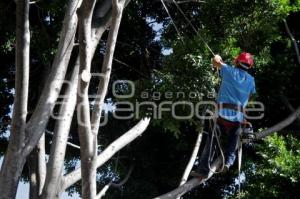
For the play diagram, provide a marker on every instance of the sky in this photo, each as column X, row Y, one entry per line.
column 23, row 190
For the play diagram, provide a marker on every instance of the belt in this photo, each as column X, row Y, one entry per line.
column 234, row 107
column 227, row 123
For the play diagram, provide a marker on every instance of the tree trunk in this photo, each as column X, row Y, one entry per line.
column 14, row 159
column 88, row 141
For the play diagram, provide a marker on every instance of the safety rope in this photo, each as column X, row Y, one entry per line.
column 172, row 20
column 193, row 27
column 217, row 134
column 240, row 152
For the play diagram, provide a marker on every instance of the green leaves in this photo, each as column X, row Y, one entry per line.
column 282, row 155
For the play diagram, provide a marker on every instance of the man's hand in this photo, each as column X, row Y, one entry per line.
column 217, row 61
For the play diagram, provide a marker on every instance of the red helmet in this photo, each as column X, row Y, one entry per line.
column 245, row 58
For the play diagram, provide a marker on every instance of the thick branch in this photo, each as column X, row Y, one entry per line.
column 117, row 12
column 281, row 125
column 192, row 160
column 14, row 161
column 189, row 185
column 113, row 148
column 88, row 141
column 60, row 136
column 41, row 154
column 38, row 121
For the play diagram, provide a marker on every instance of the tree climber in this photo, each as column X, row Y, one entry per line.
column 237, row 86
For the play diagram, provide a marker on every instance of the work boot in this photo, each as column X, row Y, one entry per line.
column 224, row 170
column 198, row 175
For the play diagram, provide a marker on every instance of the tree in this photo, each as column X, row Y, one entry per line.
column 25, row 135
column 165, row 150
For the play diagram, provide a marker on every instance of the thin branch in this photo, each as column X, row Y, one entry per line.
column 34, row 2
column 60, row 136
column 111, row 184
column 289, row 106
column 103, row 191
column 192, row 160
column 120, row 184
column 117, row 12
column 113, row 148
column 293, row 40
column 68, row 143
column 191, row 184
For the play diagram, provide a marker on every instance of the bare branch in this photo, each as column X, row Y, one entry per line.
column 113, row 148
column 111, row 184
column 103, row 191
column 192, row 160
column 293, row 40
column 289, row 106
column 120, row 184
column 191, row 184
column 60, row 136
column 88, row 140
column 55, row 80
column 41, row 154
column 118, row 8
column 281, row 125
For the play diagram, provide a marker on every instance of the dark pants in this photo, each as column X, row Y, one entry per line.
column 229, row 139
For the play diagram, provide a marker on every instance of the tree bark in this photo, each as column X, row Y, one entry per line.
column 21, row 144
column 13, row 160
column 59, row 142
column 117, row 13
column 42, row 168
column 113, row 148
column 37, row 169
column 191, row 184
column 55, row 80
column 33, row 174
column 88, row 140
column 192, row 160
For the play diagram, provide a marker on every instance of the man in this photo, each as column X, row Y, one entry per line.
column 236, row 88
